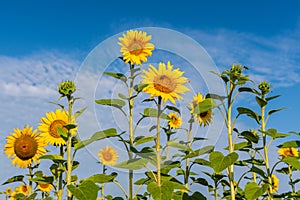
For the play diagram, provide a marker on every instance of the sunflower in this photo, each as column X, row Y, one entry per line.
column 24, row 146
column 275, row 182
column 174, row 121
column 135, row 47
column 203, row 118
column 108, row 156
column 50, row 124
column 45, row 187
column 291, row 152
column 24, row 189
column 8, row 191
column 164, row 82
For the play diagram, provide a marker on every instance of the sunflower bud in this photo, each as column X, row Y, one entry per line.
column 264, row 87
column 235, row 71
column 67, row 88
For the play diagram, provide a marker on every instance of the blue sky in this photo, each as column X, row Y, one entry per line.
column 45, row 42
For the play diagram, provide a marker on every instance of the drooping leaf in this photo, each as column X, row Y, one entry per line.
column 85, row 191
column 251, row 136
column 173, row 108
column 261, row 102
column 118, row 103
column 119, row 76
column 215, row 96
column 219, row 162
column 133, row 164
column 43, row 180
column 247, row 89
column 13, row 179
column 249, row 113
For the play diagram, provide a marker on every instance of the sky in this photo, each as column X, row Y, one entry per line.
column 45, row 42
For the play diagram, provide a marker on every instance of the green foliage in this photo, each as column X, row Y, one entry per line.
column 86, row 190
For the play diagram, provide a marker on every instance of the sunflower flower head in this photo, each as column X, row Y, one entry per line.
column 66, row 88
column 204, row 118
column 51, row 124
column 24, row 189
column 164, row 82
column 275, row 182
column 135, row 47
column 24, row 146
column 264, row 87
column 108, row 156
column 8, row 191
column 174, row 121
column 288, row 152
column 45, row 187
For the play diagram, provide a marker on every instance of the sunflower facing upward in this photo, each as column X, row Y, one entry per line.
column 135, row 47
column 49, row 127
column 108, row 156
column 205, row 117
column 24, row 146
column 164, row 82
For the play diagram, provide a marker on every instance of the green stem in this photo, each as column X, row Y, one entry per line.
column 31, row 176
column 131, row 131
column 60, row 180
column 216, row 191
column 230, row 142
column 266, row 154
column 158, row 156
column 69, row 148
column 187, row 160
column 102, row 188
column 291, row 178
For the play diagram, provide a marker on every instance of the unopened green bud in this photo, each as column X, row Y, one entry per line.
column 264, row 87
column 236, row 70
column 67, row 88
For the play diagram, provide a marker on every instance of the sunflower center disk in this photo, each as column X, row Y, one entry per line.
column 44, row 185
column 203, row 114
column 107, row 156
column 25, row 147
column 164, row 84
column 136, row 48
column 54, row 126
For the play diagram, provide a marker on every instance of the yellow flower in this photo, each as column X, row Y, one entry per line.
column 275, row 183
column 49, row 127
column 164, row 82
column 174, row 121
column 13, row 195
column 108, row 156
column 135, row 47
column 291, row 152
column 45, row 187
column 24, row 146
column 8, row 191
column 205, row 117
column 24, row 189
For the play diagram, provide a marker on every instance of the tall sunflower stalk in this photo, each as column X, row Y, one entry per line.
column 135, row 48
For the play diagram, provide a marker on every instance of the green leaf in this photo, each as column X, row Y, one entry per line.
column 62, row 133
column 247, row 89
column 172, row 108
column 164, row 192
column 272, row 97
column 219, row 162
column 274, row 111
column 284, row 170
column 122, row 96
column 195, row 196
column 79, row 112
column 201, row 161
column 253, row 191
column 143, row 139
column 102, row 178
column 118, row 103
column 261, row 102
column 13, row 179
column 53, row 157
column 152, row 112
column 205, row 105
column 294, row 143
column 111, row 132
column 258, row 171
column 250, row 136
column 139, row 88
column 198, row 152
column 32, row 196
column 215, row 96
column 249, row 113
column 43, row 180
column 87, row 190
column 294, row 162
column 70, row 126
column 274, row 134
column 133, row 164
column 119, row 76
column 177, row 145
column 240, row 146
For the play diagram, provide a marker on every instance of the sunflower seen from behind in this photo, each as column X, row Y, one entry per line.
column 164, row 82
column 135, row 47
column 288, row 152
column 24, row 146
column 49, row 127
column 174, row 121
column 108, row 156
column 203, row 118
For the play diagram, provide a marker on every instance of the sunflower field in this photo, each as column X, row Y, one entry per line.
column 157, row 163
